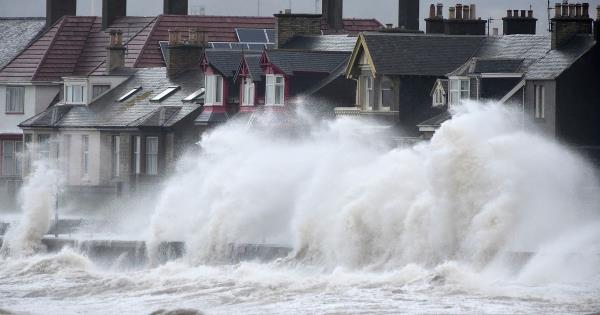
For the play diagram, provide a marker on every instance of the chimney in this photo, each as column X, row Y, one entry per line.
column 597, row 25
column 115, row 58
column 111, row 10
column 333, row 13
column 183, row 55
column 464, row 21
column 567, row 23
column 440, row 10
column 515, row 24
column 435, row 23
column 56, row 9
column 175, row 7
column 408, row 14
column 288, row 26
column 459, row 12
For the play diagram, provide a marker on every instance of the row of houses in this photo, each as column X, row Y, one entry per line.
column 117, row 99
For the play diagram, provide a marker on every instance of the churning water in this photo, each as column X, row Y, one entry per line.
column 485, row 218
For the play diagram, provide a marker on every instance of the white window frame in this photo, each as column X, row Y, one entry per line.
column 151, row 156
column 71, row 88
column 248, row 90
column 214, row 89
column 137, row 147
column 366, row 91
column 67, row 154
column 384, row 81
column 12, row 159
column 15, row 100
column 85, row 156
column 116, row 155
column 439, row 97
column 539, row 101
column 460, row 90
column 43, row 147
column 272, row 86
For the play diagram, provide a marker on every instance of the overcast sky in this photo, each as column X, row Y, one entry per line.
column 385, row 11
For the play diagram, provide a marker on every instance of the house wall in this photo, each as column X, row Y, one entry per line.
column 548, row 124
column 37, row 98
column 496, row 88
column 414, row 102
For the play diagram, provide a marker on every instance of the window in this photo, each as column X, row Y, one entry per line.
column 386, row 93
column 248, row 92
column 164, row 94
column 194, row 96
column 15, row 99
column 214, row 90
column 67, row 154
column 460, row 90
column 151, row 155
column 137, row 146
column 75, row 93
column 439, row 97
column 28, row 141
column 129, row 94
column 99, row 89
column 115, row 155
column 85, row 155
column 11, row 157
column 366, row 86
column 539, row 102
column 43, row 146
column 275, row 90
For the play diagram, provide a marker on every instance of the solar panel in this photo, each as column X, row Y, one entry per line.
column 251, row 35
column 270, row 35
column 221, row 45
column 259, row 47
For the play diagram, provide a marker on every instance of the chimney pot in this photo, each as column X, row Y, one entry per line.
column 508, row 13
column 116, row 38
column 466, row 12
column 452, row 13
column 473, row 11
column 174, row 37
column 530, row 14
column 196, row 37
column 572, row 10
column 440, row 12
column 516, row 13
column 459, row 12
column 432, row 11
column 115, row 58
column 523, row 13
column 557, row 10
column 389, row 25
column 578, row 10
column 585, row 10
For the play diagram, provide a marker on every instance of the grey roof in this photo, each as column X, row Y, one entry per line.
column 335, row 74
column 137, row 111
column 254, row 68
column 497, row 65
column 322, row 42
column 418, row 54
column 294, row 61
column 209, row 116
column 224, row 61
column 555, row 62
column 16, row 34
column 437, row 120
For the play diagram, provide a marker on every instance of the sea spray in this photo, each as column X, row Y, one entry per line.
column 38, row 201
column 480, row 190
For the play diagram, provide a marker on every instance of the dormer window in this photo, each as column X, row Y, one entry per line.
column 214, row 90
column 75, row 93
column 275, row 93
column 248, row 93
column 460, row 90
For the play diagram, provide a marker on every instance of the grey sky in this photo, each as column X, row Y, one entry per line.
column 383, row 10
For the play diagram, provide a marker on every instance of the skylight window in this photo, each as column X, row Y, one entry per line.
column 164, row 94
column 195, row 95
column 129, row 94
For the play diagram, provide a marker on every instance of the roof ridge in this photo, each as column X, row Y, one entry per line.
column 60, row 23
column 156, row 22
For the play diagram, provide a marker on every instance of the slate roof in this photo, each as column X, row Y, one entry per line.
column 418, row 54
column 322, row 42
column 16, row 33
column 225, row 61
column 335, row 74
column 74, row 45
column 210, row 116
column 137, row 111
column 437, row 120
column 254, row 68
column 294, row 61
column 555, row 62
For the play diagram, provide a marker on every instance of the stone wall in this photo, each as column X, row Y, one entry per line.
column 290, row 25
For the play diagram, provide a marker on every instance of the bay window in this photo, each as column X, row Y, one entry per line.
column 15, row 99
column 275, row 91
column 248, row 92
column 11, row 157
column 460, row 91
column 214, row 90
column 43, row 146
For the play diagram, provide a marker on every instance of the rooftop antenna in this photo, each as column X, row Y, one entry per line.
column 258, row 7
column 550, row 8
